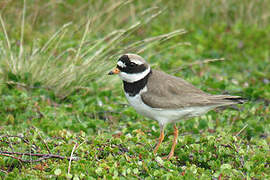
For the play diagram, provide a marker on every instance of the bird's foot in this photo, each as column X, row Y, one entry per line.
column 155, row 151
column 169, row 156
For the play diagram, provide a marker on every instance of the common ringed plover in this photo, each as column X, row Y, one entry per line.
column 165, row 98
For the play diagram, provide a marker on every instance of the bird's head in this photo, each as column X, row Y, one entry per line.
column 131, row 68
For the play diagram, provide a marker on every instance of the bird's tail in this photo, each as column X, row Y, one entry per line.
column 224, row 100
column 236, row 99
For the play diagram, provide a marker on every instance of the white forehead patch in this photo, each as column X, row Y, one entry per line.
column 121, row 64
column 136, row 61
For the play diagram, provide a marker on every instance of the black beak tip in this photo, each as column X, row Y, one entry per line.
column 110, row 73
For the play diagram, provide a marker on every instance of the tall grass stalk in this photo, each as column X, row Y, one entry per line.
column 64, row 63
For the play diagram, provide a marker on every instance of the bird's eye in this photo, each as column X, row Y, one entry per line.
column 132, row 64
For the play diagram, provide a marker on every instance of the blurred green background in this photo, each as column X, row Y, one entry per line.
column 54, row 57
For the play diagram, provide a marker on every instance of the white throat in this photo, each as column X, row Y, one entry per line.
column 134, row 77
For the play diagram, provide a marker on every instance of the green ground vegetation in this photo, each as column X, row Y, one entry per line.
column 56, row 98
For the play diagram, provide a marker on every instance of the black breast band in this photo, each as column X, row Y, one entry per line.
column 132, row 89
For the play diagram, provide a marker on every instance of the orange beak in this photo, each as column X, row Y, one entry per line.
column 115, row 71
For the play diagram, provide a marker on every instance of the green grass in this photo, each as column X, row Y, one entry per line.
column 65, row 62
column 114, row 142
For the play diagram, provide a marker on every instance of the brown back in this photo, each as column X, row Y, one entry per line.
column 170, row 92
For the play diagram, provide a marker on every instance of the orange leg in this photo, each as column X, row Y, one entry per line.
column 160, row 139
column 174, row 143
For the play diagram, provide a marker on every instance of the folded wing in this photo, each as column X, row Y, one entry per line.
column 174, row 93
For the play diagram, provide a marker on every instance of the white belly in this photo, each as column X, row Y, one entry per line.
column 164, row 116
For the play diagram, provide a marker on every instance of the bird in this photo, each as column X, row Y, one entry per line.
column 163, row 97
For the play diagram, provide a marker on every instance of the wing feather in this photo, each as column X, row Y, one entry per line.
column 170, row 92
